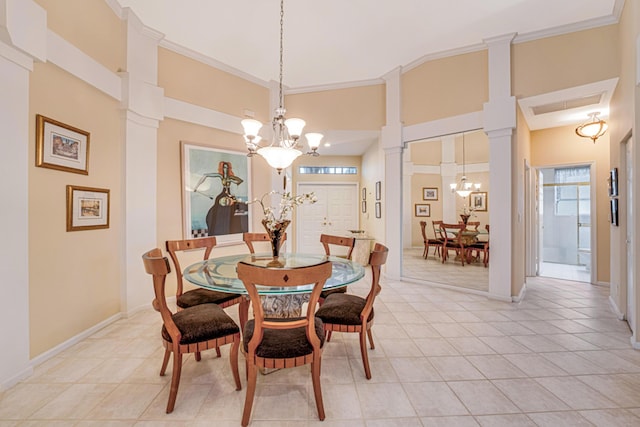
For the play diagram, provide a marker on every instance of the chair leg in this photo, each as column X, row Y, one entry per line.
column 370, row 335
column 365, row 356
column 317, row 390
column 233, row 358
column 165, row 362
column 252, row 376
column 218, row 352
column 175, row 380
column 329, row 336
column 198, row 356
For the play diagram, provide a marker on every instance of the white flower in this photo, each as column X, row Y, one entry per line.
column 274, row 217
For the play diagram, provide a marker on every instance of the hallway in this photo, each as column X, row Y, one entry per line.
column 442, row 358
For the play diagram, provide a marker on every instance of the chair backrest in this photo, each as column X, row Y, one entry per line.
column 437, row 229
column 423, row 224
column 175, row 246
column 328, row 239
column 252, row 276
column 473, row 225
column 452, row 232
column 158, row 266
column 377, row 259
column 250, row 238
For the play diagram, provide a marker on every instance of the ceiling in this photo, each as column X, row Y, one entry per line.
column 338, row 42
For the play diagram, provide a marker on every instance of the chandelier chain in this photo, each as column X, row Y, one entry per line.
column 281, row 100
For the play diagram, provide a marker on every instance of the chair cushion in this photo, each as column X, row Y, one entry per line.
column 202, row 323
column 282, row 343
column 343, row 309
column 435, row 241
column 203, row 296
column 325, row 294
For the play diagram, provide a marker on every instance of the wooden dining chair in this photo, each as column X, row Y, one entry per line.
column 191, row 330
column 473, row 225
column 329, row 241
column 480, row 247
column 436, row 242
column 193, row 297
column 452, row 235
column 250, row 238
column 352, row 313
column 285, row 342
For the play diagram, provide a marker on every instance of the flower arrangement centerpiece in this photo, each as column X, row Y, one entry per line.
column 467, row 212
column 276, row 220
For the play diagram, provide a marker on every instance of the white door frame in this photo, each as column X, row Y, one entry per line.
column 531, row 257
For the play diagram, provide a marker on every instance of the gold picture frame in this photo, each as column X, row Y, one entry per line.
column 478, row 201
column 61, row 147
column 87, row 208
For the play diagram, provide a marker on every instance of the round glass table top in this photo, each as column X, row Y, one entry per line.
column 219, row 274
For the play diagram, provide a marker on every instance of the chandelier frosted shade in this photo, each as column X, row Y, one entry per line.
column 279, row 157
column 593, row 129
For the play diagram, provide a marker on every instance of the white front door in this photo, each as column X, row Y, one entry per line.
column 335, row 212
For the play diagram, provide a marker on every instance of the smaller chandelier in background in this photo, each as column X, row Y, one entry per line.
column 283, row 149
column 593, row 129
column 464, row 188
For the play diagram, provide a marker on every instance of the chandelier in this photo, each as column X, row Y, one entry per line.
column 283, row 149
column 464, row 188
column 593, row 129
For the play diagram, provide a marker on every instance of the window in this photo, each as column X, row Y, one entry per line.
column 328, row 170
column 572, row 191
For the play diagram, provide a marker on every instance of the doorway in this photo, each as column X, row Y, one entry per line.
column 629, row 221
column 335, row 212
column 565, row 232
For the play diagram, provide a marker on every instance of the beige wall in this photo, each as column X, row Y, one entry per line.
column 91, row 26
column 200, row 84
column 74, row 277
column 358, row 108
column 445, row 87
column 560, row 146
column 560, row 62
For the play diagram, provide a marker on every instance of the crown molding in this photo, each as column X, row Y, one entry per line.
column 566, row 29
column 334, row 86
column 444, row 54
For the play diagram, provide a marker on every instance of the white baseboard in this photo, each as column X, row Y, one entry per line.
column 520, row 296
column 10, row 382
column 604, row 284
column 615, row 309
column 73, row 340
column 635, row 344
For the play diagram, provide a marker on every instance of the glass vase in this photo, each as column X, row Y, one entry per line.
column 276, row 235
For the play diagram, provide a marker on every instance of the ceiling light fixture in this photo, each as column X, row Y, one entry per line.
column 283, row 149
column 464, row 188
column 593, row 129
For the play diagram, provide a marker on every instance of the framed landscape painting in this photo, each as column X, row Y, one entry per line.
column 60, row 146
column 423, row 209
column 87, row 208
column 215, row 192
column 430, row 193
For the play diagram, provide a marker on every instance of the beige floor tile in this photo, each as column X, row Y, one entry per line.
column 460, row 421
column 573, row 364
column 127, row 402
column 557, row 419
column 609, row 361
column 482, row 398
column 470, row 346
column 395, row 422
column 414, row 369
column 188, row 403
column 384, row 400
column 434, row 399
column 518, row 420
column 496, row 366
column 23, row 400
column 538, row 343
column 399, row 347
column 113, row 370
column 381, row 371
column 268, row 403
column 504, row 345
column 534, row 365
column 575, row 393
column 455, row 368
column 75, row 402
column 341, row 402
column 530, row 396
column 611, row 418
column 436, row 347
column 624, row 393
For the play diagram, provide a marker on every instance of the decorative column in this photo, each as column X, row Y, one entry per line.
column 448, row 172
column 23, row 29
column 391, row 142
column 499, row 122
column 142, row 103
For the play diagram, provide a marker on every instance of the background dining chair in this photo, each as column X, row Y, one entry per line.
column 191, row 330
column 480, row 247
column 328, row 241
column 283, row 343
column 250, row 238
column 437, row 243
column 473, row 225
column 199, row 296
column 352, row 313
column 452, row 235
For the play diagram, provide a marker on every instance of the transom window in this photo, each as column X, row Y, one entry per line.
column 328, row 170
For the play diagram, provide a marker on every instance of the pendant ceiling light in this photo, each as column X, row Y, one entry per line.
column 464, row 188
column 593, row 129
column 283, row 149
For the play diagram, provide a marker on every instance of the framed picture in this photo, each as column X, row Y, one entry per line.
column 87, row 208
column 478, row 201
column 364, row 206
column 215, row 192
column 378, row 190
column 364, row 194
column 378, row 210
column 613, row 182
column 61, row 147
column 423, row 210
column 430, row 193
column 614, row 211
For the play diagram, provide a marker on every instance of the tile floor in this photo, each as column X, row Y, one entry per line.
column 442, row 358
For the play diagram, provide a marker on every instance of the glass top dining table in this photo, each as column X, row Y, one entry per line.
column 219, row 274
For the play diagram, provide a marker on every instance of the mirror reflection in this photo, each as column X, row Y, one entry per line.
column 446, row 210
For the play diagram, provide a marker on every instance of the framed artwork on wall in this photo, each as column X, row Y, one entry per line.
column 613, row 203
column 87, row 208
column 430, row 193
column 378, row 210
column 364, row 194
column 478, row 201
column 613, row 182
column 422, row 209
column 61, row 147
column 378, row 190
column 364, row 206
column 215, row 192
